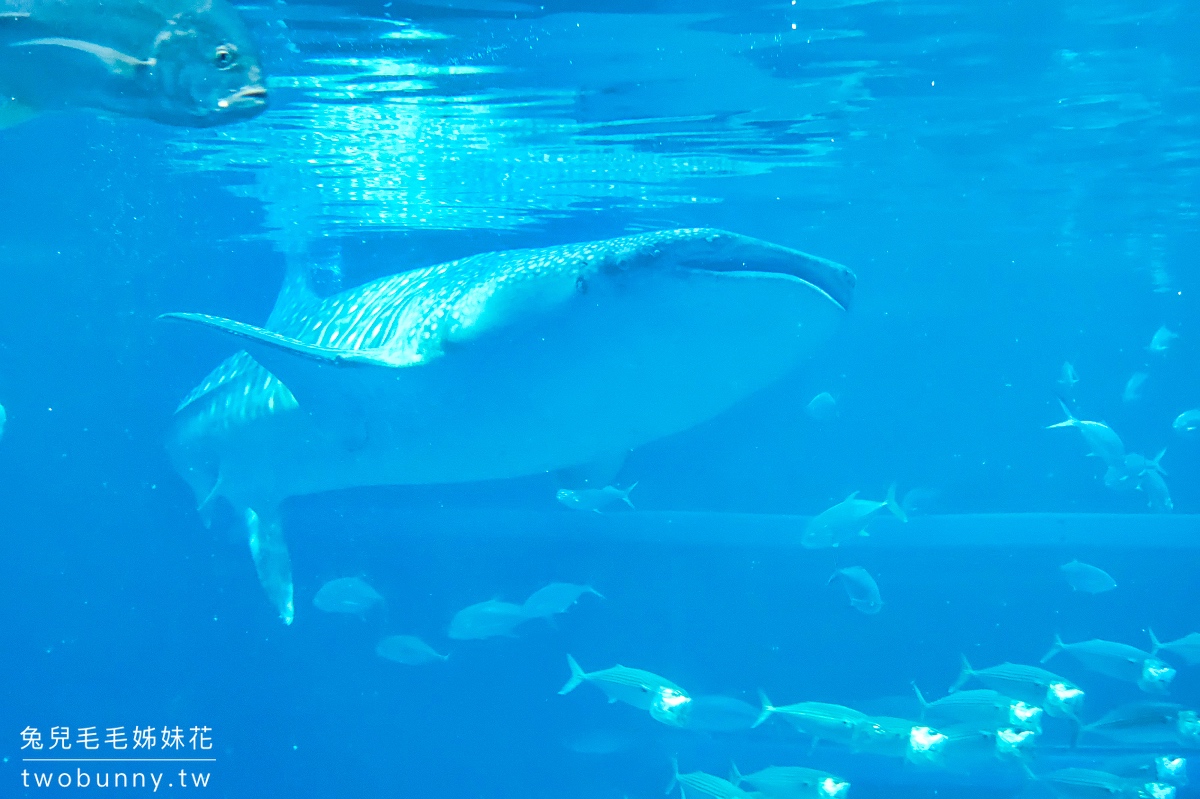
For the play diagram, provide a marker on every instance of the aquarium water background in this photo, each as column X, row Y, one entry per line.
column 1015, row 185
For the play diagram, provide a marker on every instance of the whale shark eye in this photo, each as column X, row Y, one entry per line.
column 225, row 56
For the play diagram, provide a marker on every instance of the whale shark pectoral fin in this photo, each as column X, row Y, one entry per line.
column 314, row 374
column 264, row 531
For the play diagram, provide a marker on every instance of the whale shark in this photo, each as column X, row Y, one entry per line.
column 497, row 365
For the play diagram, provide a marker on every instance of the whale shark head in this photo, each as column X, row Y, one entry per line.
column 501, row 364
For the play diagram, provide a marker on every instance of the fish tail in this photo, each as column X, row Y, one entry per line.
column 577, row 677
column 596, row 593
column 964, row 674
column 893, row 505
column 1155, row 644
column 1157, row 465
column 625, row 497
column 767, row 709
column 674, row 777
column 920, row 698
column 735, row 776
column 1058, row 646
column 1070, row 421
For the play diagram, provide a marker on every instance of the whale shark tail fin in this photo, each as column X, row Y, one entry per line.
column 264, row 532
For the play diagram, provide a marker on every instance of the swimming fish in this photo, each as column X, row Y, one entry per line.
column 1102, row 442
column 1162, row 339
column 1154, row 486
column 822, row 407
column 860, row 587
column 556, row 598
column 1133, row 387
column 1187, row 423
column 642, row 689
column 1131, row 470
column 1119, row 661
column 1087, row 578
column 819, row 720
column 486, row 620
column 705, row 783
column 793, row 781
column 890, row 736
column 179, row 62
column 717, row 714
column 3, row 420
column 981, row 708
column 1150, row 768
column 499, row 365
column 347, row 595
column 408, row 649
column 966, row 746
column 595, row 499
column 1036, row 686
column 1187, row 647
column 1068, row 378
column 1148, row 723
column 847, row 519
column 1084, row 783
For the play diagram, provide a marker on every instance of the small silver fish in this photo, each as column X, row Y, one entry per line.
column 1162, row 339
column 822, row 407
column 1150, row 768
column 847, row 519
column 793, row 781
column 1148, row 723
column 1087, row 578
column 887, row 736
column 1187, row 647
column 1131, row 470
column 594, row 499
column 1084, row 783
column 1133, row 387
column 179, row 62
column 820, row 720
column 705, row 783
column 981, row 708
column 1154, row 486
column 347, row 595
column 1036, row 686
column 555, row 598
column 1101, row 440
column 1068, row 378
column 1187, row 423
column 860, row 587
column 1119, row 661
column 968, row 746
column 407, row 649
column 486, row 620
column 636, row 687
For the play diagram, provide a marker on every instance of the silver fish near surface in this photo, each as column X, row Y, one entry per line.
column 822, row 407
column 347, row 595
column 500, row 365
column 643, row 689
column 847, row 519
column 487, row 619
column 1161, row 341
column 555, row 598
column 1187, row 423
column 179, row 62
column 1152, row 723
column 860, row 587
column 1119, row 661
column 793, row 781
column 595, row 499
column 409, row 650
column 1101, row 440
column 1087, row 578
column 1187, row 647
column 1059, row 696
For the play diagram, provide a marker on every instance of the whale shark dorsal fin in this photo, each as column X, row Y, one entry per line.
column 309, row 278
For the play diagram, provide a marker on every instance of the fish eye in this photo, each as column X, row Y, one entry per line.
column 225, row 56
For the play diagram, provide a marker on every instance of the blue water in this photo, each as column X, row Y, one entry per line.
column 1015, row 186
